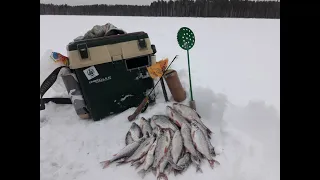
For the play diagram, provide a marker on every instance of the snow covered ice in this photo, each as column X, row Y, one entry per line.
column 235, row 67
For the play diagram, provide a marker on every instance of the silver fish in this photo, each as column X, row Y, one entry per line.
column 135, row 131
column 201, row 144
column 129, row 139
column 164, row 122
column 187, row 141
column 163, row 164
column 146, row 127
column 162, row 148
column 177, row 146
column 124, row 153
column 190, row 114
column 203, row 130
column 148, row 160
column 142, row 150
column 175, row 116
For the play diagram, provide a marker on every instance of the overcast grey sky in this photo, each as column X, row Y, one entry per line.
column 88, row 2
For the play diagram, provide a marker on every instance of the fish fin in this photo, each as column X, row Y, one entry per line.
column 147, row 134
column 182, row 153
column 105, row 164
column 199, row 155
column 140, row 134
column 197, row 158
column 142, row 173
column 217, row 162
column 121, row 162
column 165, row 150
column 178, row 124
column 172, row 164
column 168, row 168
column 170, row 160
column 162, row 176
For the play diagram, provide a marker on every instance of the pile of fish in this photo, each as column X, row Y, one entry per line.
column 167, row 143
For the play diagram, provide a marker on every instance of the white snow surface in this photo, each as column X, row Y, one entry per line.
column 235, row 66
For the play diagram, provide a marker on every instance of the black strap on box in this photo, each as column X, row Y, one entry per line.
column 46, row 85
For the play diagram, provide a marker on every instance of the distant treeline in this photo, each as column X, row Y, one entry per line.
column 177, row 8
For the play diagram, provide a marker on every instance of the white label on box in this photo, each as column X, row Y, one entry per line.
column 91, row 72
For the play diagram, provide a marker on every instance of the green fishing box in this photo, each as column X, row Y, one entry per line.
column 112, row 71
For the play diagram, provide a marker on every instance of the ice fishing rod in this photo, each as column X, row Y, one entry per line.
column 146, row 99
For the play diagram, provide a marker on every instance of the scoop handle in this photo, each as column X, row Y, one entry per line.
column 138, row 110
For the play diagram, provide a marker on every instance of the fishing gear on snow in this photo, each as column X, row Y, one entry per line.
column 105, row 73
column 145, row 101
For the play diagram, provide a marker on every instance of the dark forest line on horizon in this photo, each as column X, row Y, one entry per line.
column 178, row 8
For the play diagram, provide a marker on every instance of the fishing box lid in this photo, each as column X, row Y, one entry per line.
column 107, row 49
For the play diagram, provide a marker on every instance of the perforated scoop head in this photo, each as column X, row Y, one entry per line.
column 185, row 38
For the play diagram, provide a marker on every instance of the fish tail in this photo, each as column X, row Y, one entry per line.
column 170, row 160
column 173, row 165
column 154, row 171
column 170, row 170
column 105, row 164
column 162, row 176
column 211, row 162
column 142, row 173
column 175, row 172
column 198, row 169
column 199, row 156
